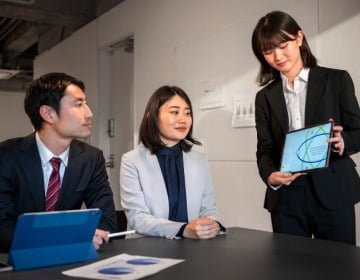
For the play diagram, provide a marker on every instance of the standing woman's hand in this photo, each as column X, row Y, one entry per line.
column 337, row 140
column 282, row 178
column 202, row 228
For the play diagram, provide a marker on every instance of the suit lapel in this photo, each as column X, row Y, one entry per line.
column 72, row 173
column 276, row 99
column 315, row 89
column 157, row 182
column 157, row 173
column 31, row 164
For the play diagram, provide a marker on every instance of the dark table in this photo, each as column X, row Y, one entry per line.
column 240, row 254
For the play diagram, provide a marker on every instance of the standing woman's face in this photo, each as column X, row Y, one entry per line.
column 174, row 121
column 286, row 57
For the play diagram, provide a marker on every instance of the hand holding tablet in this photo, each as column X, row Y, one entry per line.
column 279, row 178
column 307, row 149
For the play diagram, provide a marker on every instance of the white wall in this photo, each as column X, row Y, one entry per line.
column 13, row 120
column 77, row 56
column 339, row 42
column 165, row 28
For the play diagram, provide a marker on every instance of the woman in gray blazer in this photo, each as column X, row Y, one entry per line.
column 165, row 186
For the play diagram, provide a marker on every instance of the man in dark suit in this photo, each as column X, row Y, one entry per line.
column 298, row 93
column 56, row 105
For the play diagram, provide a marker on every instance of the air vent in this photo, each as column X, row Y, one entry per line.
column 7, row 74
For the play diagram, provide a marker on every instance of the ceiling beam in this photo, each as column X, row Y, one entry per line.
column 21, row 39
column 36, row 14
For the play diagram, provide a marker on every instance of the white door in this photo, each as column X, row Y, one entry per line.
column 116, row 84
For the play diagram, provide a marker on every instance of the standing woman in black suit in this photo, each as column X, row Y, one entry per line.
column 299, row 93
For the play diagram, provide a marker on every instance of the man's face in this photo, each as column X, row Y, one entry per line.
column 74, row 119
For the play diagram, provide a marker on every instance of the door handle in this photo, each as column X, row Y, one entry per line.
column 111, row 162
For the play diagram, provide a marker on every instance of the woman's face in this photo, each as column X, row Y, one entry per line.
column 174, row 121
column 286, row 57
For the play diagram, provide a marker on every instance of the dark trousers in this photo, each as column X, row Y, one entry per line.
column 300, row 212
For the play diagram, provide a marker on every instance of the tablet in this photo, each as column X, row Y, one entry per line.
column 53, row 238
column 307, row 149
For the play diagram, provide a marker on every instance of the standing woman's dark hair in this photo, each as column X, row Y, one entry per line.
column 271, row 30
column 149, row 133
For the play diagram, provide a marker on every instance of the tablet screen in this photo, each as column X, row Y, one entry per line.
column 306, row 149
column 53, row 238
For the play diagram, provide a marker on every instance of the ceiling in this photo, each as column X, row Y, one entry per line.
column 29, row 27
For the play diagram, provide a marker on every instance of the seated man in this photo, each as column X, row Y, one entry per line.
column 49, row 169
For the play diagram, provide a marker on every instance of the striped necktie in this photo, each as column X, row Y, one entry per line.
column 54, row 185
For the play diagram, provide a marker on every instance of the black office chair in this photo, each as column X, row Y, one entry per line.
column 121, row 221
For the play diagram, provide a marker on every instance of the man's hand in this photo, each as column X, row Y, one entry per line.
column 100, row 237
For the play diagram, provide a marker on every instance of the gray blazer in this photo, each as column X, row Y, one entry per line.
column 144, row 197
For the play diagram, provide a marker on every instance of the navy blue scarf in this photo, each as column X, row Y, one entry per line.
column 172, row 168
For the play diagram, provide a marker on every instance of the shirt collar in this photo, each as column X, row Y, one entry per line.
column 46, row 154
column 303, row 76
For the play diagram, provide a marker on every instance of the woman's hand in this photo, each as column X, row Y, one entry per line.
column 337, row 140
column 202, row 228
column 282, row 178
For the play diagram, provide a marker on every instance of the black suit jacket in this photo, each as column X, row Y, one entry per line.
column 22, row 184
column 330, row 94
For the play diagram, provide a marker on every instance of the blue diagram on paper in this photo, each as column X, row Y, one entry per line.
column 143, row 261
column 306, row 149
column 116, row 270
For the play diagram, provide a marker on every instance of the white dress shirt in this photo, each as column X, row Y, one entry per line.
column 295, row 98
column 46, row 155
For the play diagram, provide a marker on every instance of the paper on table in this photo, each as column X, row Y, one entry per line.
column 124, row 266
